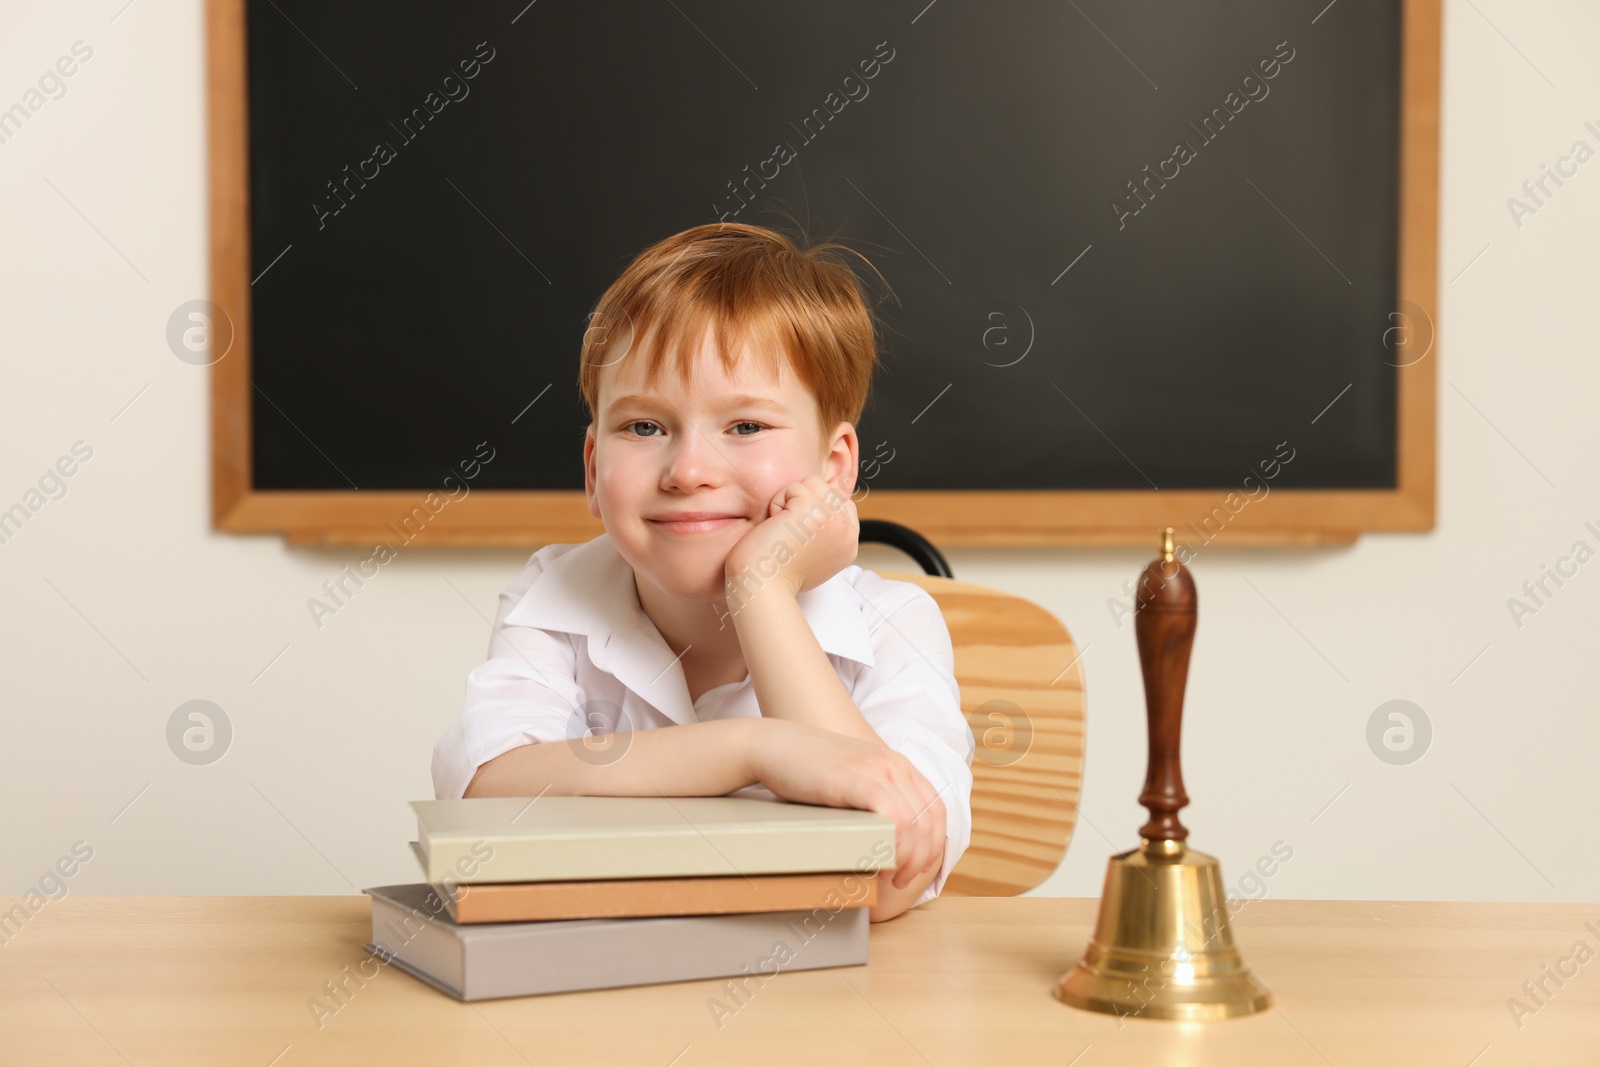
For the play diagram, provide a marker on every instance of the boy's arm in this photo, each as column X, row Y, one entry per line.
column 764, row 576
column 703, row 759
column 798, row 763
column 792, row 675
column 795, row 681
column 892, row 901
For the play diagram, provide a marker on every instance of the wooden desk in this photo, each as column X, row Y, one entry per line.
column 962, row 980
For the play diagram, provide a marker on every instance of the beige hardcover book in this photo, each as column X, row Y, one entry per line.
column 619, row 898
column 479, row 840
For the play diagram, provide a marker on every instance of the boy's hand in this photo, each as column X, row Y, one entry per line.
column 812, row 766
column 811, row 533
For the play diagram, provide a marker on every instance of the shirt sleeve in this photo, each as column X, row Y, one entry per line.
column 526, row 692
column 911, row 698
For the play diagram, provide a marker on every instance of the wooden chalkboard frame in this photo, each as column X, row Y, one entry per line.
column 948, row 518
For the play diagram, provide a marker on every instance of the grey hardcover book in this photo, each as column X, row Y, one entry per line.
column 481, row 961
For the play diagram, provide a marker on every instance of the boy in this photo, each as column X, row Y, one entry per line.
column 723, row 599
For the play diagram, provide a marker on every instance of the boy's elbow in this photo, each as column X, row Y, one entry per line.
column 486, row 778
column 887, row 908
column 891, row 901
column 511, row 774
column 476, row 787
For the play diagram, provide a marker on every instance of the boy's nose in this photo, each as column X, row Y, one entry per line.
column 693, row 461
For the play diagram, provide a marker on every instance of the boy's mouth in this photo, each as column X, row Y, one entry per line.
column 692, row 522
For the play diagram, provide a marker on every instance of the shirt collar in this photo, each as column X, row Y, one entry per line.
column 589, row 589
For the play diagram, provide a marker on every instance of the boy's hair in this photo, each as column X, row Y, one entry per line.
column 747, row 284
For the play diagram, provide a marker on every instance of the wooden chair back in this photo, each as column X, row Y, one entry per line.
column 1022, row 692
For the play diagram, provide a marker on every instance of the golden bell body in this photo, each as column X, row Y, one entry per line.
column 1162, row 947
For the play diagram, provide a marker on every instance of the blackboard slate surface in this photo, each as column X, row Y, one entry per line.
column 982, row 159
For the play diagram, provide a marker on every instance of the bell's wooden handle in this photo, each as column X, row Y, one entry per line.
column 1165, row 611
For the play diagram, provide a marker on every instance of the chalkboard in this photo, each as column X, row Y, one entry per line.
column 1135, row 247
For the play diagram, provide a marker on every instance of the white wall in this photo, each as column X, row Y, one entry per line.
column 118, row 603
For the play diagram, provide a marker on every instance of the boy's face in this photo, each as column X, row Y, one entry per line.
column 724, row 446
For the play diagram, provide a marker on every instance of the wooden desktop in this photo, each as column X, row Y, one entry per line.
column 960, row 980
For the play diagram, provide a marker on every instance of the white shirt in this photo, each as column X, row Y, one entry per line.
column 572, row 649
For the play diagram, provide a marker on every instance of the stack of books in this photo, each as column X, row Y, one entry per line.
column 561, row 893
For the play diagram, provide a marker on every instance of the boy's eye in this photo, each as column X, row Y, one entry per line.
column 755, row 428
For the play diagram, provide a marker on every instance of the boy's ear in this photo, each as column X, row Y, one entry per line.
column 842, row 462
column 589, row 471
